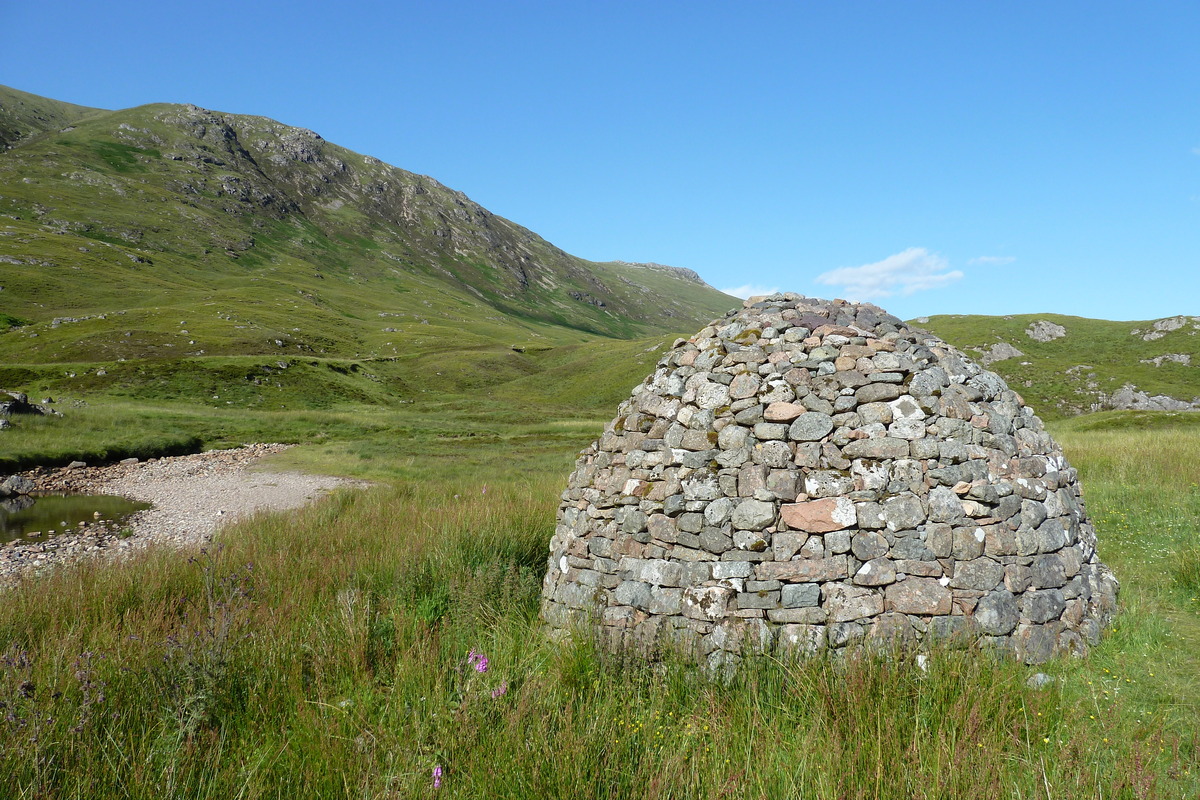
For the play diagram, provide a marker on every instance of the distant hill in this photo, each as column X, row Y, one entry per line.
column 1072, row 365
column 140, row 245
column 24, row 115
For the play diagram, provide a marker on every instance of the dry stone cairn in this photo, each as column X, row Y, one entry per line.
column 808, row 474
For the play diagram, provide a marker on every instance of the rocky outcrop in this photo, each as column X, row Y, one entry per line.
column 14, row 403
column 1129, row 398
column 16, row 485
column 1044, row 331
column 1162, row 327
column 1000, row 351
column 807, row 474
column 1169, row 358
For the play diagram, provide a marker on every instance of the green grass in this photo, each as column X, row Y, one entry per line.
column 441, row 440
column 1062, row 377
column 323, row 653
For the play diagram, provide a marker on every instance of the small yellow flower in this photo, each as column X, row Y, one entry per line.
column 1046, row 739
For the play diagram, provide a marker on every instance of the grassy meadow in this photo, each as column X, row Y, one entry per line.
column 327, row 652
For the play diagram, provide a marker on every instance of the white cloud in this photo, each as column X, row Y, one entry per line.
column 992, row 261
column 750, row 290
column 914, row 270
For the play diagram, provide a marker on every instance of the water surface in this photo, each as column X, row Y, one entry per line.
column 36, row 515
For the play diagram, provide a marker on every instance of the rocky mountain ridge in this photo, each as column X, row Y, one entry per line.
column 119, row 224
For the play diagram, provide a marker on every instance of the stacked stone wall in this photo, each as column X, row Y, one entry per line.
column 805, row 474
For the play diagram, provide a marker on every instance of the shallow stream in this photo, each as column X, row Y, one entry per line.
column 40, row 516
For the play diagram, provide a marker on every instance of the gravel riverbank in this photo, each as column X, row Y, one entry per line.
column 192, row 497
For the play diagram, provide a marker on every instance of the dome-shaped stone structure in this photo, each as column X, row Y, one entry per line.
column 807, row 473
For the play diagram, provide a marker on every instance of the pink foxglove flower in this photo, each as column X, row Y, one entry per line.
column 478, row 660
column 437, row 777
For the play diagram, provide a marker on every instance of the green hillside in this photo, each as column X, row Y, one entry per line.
column 1086, row 368
column 24, row 115
column 166, row 250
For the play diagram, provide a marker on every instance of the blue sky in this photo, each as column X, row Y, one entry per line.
column 933, row 157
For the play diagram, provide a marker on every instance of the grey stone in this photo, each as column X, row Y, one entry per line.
column 877, row 392
column 17, row 485
column 804, row 615
column 801, row 640
column 924, row 596
column 782, row 484
column 659, row 572
column 969, row 542
column 882, row 447
column 867, row 545
column 722, row 570
column 846, row 603
column 1042, row 606
column 750, row 416
column 843, row 633
column 996, row 613
column 1048, row 572
column 787, row 544
column 800, row 595
column 666, row 601
column 733, row 437
column 837, row 542
column 870, row 515
column 810, row 427
column 633, row 521
column 980, row 574
column 753, row 515
column 714, row 540
column 772, row 454
column 766, row 431
column 939, row 537
column 903, row 511
column 876, row 572
column 944, row 505
column 712, row 395
column 753, row 541
column 763, row 600
column 1035, row 643
column 718, row 511
column 1051, row 536
column 633, row 593
column 1039, row 680
column 827, row 483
